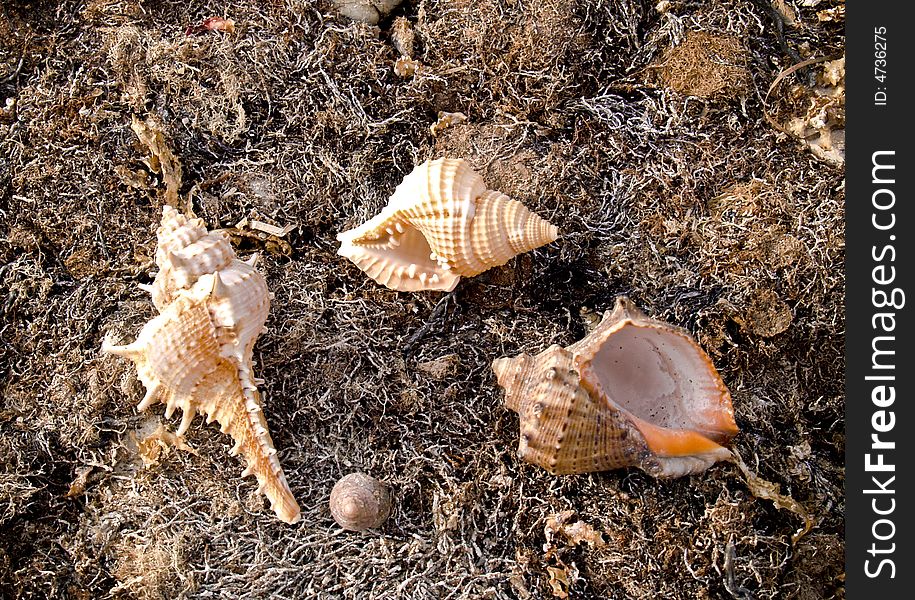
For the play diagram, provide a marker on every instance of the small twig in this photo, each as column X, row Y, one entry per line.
column 781, row 77
column 422, row 331
column 15, row 72
column 792, row 69
column 760, row 488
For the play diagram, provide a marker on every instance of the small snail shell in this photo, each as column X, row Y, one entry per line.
column 360, row 502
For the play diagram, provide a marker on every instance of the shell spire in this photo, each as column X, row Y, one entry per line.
column 635, row 392
column 196, row 355
column 442, row 223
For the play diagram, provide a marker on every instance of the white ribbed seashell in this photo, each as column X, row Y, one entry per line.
column 197, row 354
column 442, row 223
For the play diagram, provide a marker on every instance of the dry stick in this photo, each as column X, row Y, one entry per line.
column 781, row 76
column 792, row 69
column 760, row 488
column 14, row 73
column 162, row 160
column 422, row 331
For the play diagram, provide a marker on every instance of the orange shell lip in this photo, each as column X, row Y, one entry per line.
column 721, row 423
column 678, row 442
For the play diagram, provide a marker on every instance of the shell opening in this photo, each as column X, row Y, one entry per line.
column 415, row 251
column 413, row 266
column 659, row 377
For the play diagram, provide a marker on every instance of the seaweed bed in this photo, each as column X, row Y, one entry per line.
column 646, row 131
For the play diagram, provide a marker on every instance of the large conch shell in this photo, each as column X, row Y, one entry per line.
column 197, row 354
column 442, row 223
column 635, row 392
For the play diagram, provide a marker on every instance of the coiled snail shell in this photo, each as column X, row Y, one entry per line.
column 359, row 502
column 196, row 355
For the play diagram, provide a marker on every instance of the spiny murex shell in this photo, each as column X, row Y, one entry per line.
column 197, row 354
column 635, row 392
column 442, row 223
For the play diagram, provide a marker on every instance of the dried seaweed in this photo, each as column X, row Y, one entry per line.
column 696, row 207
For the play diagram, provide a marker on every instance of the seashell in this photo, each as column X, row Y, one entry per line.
column 441, row 224
column 635, row 392
column 197, row 354
column 359, row 502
